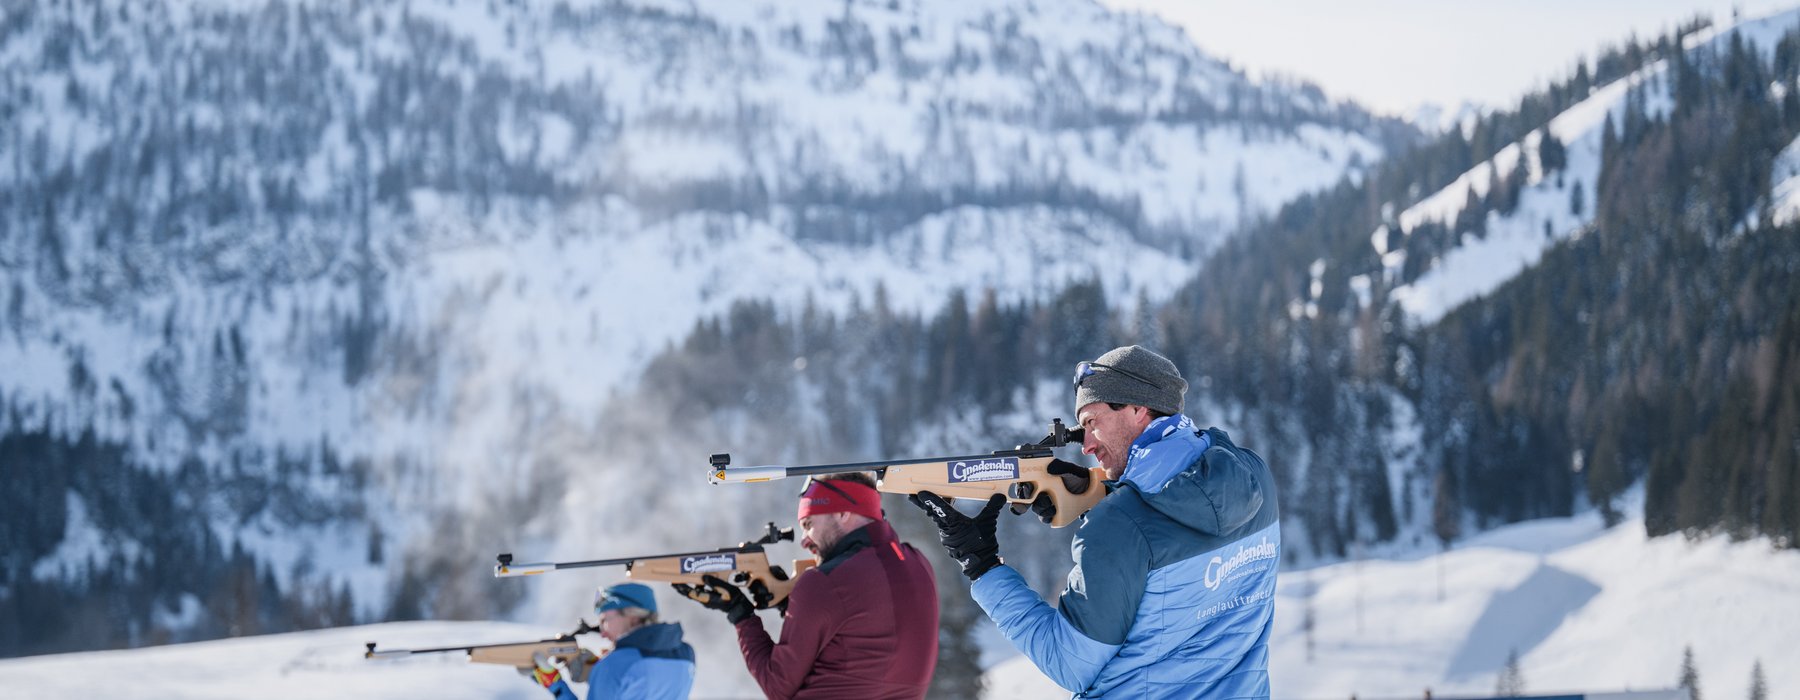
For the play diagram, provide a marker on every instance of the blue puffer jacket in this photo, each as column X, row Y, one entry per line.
column 1173, row 590
column 650, row 662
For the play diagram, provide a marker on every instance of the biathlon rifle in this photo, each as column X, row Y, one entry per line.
column 743, row 565
column 1022, row 474
column 519, row 655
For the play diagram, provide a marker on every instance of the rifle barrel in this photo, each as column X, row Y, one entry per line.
column 529, row 569
column 393, row 654
column 513, row 570
column 744, row 475
column 581, row 628
column 396, row 653
column 749, row 475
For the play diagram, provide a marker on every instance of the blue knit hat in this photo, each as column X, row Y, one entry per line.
column 624, row 595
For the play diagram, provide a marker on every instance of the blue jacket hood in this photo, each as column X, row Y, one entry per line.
column 1196, row 477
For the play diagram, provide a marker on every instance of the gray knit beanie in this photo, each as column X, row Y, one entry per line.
column 1132, row 375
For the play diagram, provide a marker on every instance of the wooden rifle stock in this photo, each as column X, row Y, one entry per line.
column 1021, row 474
column 741, row 565
column 1021, row 480
column 519, row 655
column 738, row 568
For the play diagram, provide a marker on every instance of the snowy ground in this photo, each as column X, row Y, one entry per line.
column 1585, row 607
column 303, row 665
column 322, row 664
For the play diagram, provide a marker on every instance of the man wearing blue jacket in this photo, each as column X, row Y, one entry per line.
column 648, row 660
column 1173, row 590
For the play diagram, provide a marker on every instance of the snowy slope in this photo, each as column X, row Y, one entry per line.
column 1545, row 215
column 1587, row 608
column 321, row 664
column 1784, row 185
column 1513, row 242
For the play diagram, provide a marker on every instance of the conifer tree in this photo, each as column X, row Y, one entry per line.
column 1309, row 619
column 1552, row 155
column 1446, row 517
column 1690, row 675
column 1511, row 683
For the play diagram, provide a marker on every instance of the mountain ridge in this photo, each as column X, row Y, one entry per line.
column 291, row 261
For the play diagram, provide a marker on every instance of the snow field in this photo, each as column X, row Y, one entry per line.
column 1586, row 608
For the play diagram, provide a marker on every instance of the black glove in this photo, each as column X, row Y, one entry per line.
column 1075, row 478
column 761, row 595
column 716, row 594
column 968, row 540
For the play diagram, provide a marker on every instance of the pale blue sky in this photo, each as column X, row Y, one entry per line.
column 1393, row 55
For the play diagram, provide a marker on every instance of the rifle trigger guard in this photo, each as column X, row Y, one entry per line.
column 1022, row 491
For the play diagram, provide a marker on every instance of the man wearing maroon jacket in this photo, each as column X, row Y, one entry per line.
column 863, row 624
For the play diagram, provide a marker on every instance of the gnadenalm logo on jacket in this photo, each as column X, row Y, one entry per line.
column 1220, row 568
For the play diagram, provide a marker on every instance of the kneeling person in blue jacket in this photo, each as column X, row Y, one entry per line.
column 648, row 659
column 1173, row 590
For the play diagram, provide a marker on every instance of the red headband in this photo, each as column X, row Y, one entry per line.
column 838, row 496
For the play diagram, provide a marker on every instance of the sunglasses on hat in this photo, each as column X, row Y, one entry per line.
column 827, row 484
column 1086, row 369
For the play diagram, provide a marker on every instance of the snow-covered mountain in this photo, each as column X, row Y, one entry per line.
column 1552, row 206
column 344, row 290
column 1533, row 314
column 306, row 310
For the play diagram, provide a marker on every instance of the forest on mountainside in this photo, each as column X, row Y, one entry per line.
column 1658, row 346
column 207, row 208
